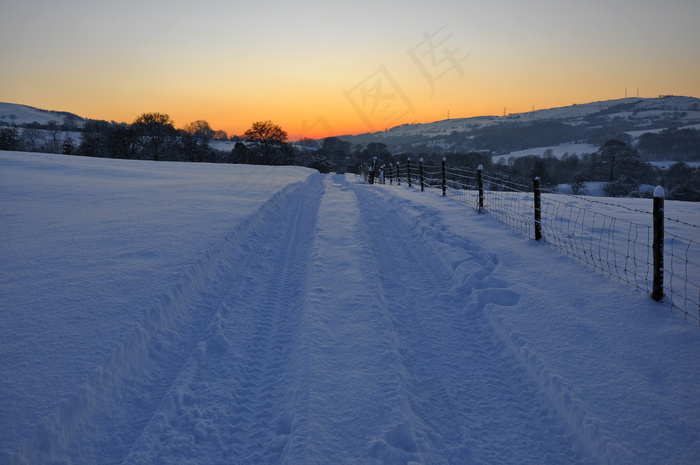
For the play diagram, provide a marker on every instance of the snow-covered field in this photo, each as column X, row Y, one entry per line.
column 558, row 151
column 194, row 313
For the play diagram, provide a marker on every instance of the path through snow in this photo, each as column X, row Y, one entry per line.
column 346, row 337
column 342, row 325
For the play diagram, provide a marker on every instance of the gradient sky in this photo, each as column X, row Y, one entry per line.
column 320, row 68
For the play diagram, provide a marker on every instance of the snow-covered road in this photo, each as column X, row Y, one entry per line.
column 347, row 323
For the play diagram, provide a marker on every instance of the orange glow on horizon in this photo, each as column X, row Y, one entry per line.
column 324, row 78
column 321, row 115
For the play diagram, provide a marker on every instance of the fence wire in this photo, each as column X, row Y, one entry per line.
column 571, row 224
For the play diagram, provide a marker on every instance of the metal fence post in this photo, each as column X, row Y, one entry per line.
column 480, row 183
column 658, row 245
column 444, row 176
column 538, row 210
column 408, row 171
column 422, row 179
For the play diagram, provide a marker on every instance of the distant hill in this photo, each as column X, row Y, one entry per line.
column 590, row 123
column 13, row 113
column 579, row 128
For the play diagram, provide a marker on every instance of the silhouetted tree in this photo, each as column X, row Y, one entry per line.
column 337, row 151
column 240, row 153
column 220, row 135
column 94, row 140
column 195, row 141
column 123, row 141
column 578, row 184
column 156, row 134
column 379, row 150
column 9, row 139
column 269, row 142
column 615, row 158
column 671, row 144
column 70, row 123
column 201, row 130
column 31, row 138
column 53, row 142
column 623, row 186
column 682, row 182
column 68, row 147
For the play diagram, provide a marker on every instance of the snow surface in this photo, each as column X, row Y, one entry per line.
column 558, row 151
column 194, row 313
column 24, row 114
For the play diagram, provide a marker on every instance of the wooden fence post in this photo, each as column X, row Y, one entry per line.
column 480, row 183
column 658, row 245
column 398, row 173
column 538, row 210
column 371, row 173
column 422, row 179
column 408, row 171
column 444, row 177
column 391, row 174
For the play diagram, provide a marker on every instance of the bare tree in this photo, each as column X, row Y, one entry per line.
column 32, row 138
column 201, row 131
column 53, row 141
column 157, row 134
column 268, row 140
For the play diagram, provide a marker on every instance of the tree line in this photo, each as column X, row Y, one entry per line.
column 620, row 167
column 152, row 136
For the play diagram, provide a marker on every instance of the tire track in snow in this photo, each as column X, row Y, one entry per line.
column 100, row 423
column 235, row 405
column 471, row 400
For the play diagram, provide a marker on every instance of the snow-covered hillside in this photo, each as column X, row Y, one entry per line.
column 556, row 150
column 194, row 313
column 641, row 108
column 514, row 135
column 12, row 113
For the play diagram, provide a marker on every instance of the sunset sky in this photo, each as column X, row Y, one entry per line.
column 320, row 68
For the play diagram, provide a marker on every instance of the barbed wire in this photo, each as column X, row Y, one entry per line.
column 624, row 207
column 614, row 246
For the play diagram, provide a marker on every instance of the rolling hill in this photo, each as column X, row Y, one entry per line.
column 591, row 123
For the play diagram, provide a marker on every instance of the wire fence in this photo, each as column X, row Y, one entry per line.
column 609, row 238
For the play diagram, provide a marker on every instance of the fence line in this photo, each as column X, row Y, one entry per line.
column 611, row 245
